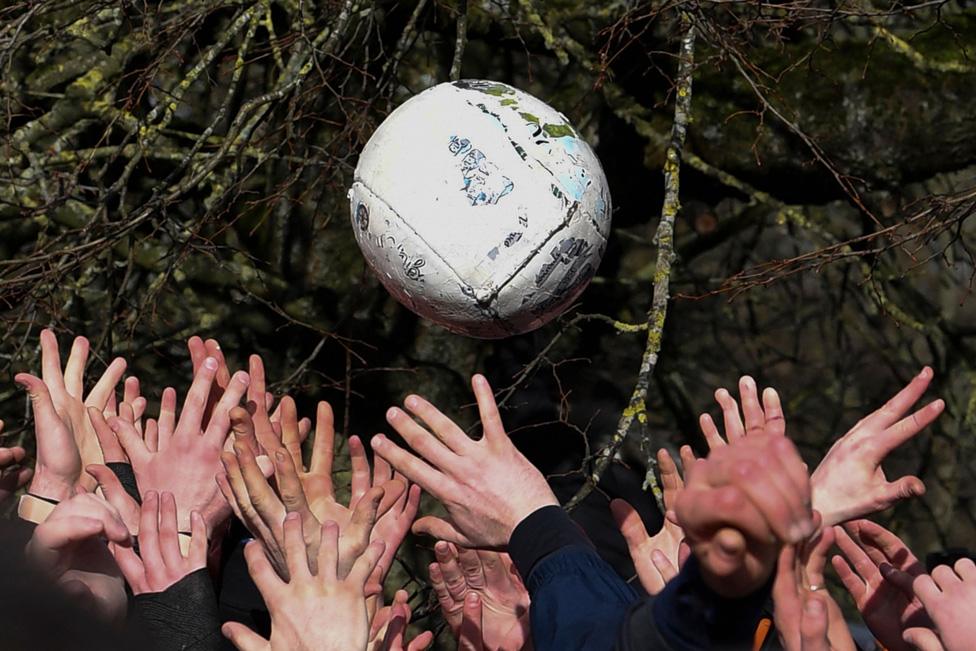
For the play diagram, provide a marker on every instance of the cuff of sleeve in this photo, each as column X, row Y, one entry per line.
column 184, row 615
column 126, row 477
column 543, row 532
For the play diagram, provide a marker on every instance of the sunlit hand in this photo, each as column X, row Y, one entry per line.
column 70, row 546
column 656, row 558
column 949, row 596
column 872, row 559
column 757, row 418
column 263, row 511
column 297, row 606
column 58, row 466
column 314, row 492
column 187, row 458
column 458, row 573
column 487, row 486
column 13, row 474
column 849, row 483
column 739, row 506
column 807, row 618
column 160, row 563
column 388, row 630
column 67, row 392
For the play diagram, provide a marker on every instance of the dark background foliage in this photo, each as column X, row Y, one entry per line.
column 177, row 168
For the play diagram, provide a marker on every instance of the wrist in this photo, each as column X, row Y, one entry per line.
column 50, row 486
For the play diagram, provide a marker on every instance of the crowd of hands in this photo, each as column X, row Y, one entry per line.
column 751, row 512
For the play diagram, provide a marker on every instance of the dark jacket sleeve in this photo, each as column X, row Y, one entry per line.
column 126, row 477
column 578, row 601
column 688, row 616
column 183, row 616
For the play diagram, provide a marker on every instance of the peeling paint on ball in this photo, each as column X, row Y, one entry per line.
column 480, row 208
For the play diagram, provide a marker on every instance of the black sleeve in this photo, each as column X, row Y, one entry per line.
column 183, row 616
column 126, row 477
column 543, row 532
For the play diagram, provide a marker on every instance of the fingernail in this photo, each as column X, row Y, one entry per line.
column 926, row 373
column 280, row 456
column 472, row 599
column 795, row 533
column 813, row 607
column 377, row 441
column 411, row 402
column 210, row 363
column 748, row 381
column 392, row 413
column 291, row 516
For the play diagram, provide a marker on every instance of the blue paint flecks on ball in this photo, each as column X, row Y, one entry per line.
column 483, row 181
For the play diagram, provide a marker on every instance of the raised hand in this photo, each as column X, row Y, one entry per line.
column 388, row 630
column 263, row 511
column 459, row 573
column 656, row 558
column 872, row 560
column 67, row 388
column 739, row 506
column 756, row 418
column 160, row 563
column 487, row 486
column 13, row 475
column 70, row 546
column 313, row 491
column 849, row 483
column 297, row 606
column 948, row 596
column 187, row 455
column 807, row 618
column 58, row 466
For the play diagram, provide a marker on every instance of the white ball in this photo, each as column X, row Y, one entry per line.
column 480, row 208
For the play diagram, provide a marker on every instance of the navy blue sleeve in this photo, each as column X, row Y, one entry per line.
column 578, row 601
column 689, row 616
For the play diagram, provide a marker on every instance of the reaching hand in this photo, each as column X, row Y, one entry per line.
column 13, row 475
column 948, row 596
column 58, row 466
column 388, row 630
column 160, row 563
column 887, row 605
column 765, row 418
column 187, row 457
column 487, row 486
column 263, row 511
column 806, row 616
column 67, row 392
column 459, row 573
column 849, row 483
column 297, row 606
column 656, row 558
column 739, row 505
column 312, row 492
column 69, row 545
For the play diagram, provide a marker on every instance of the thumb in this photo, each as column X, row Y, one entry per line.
column 443, row 530
column 904, row 488
column 112, row 489
column 629, row 523
column 244, row 638
column 924, row 639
